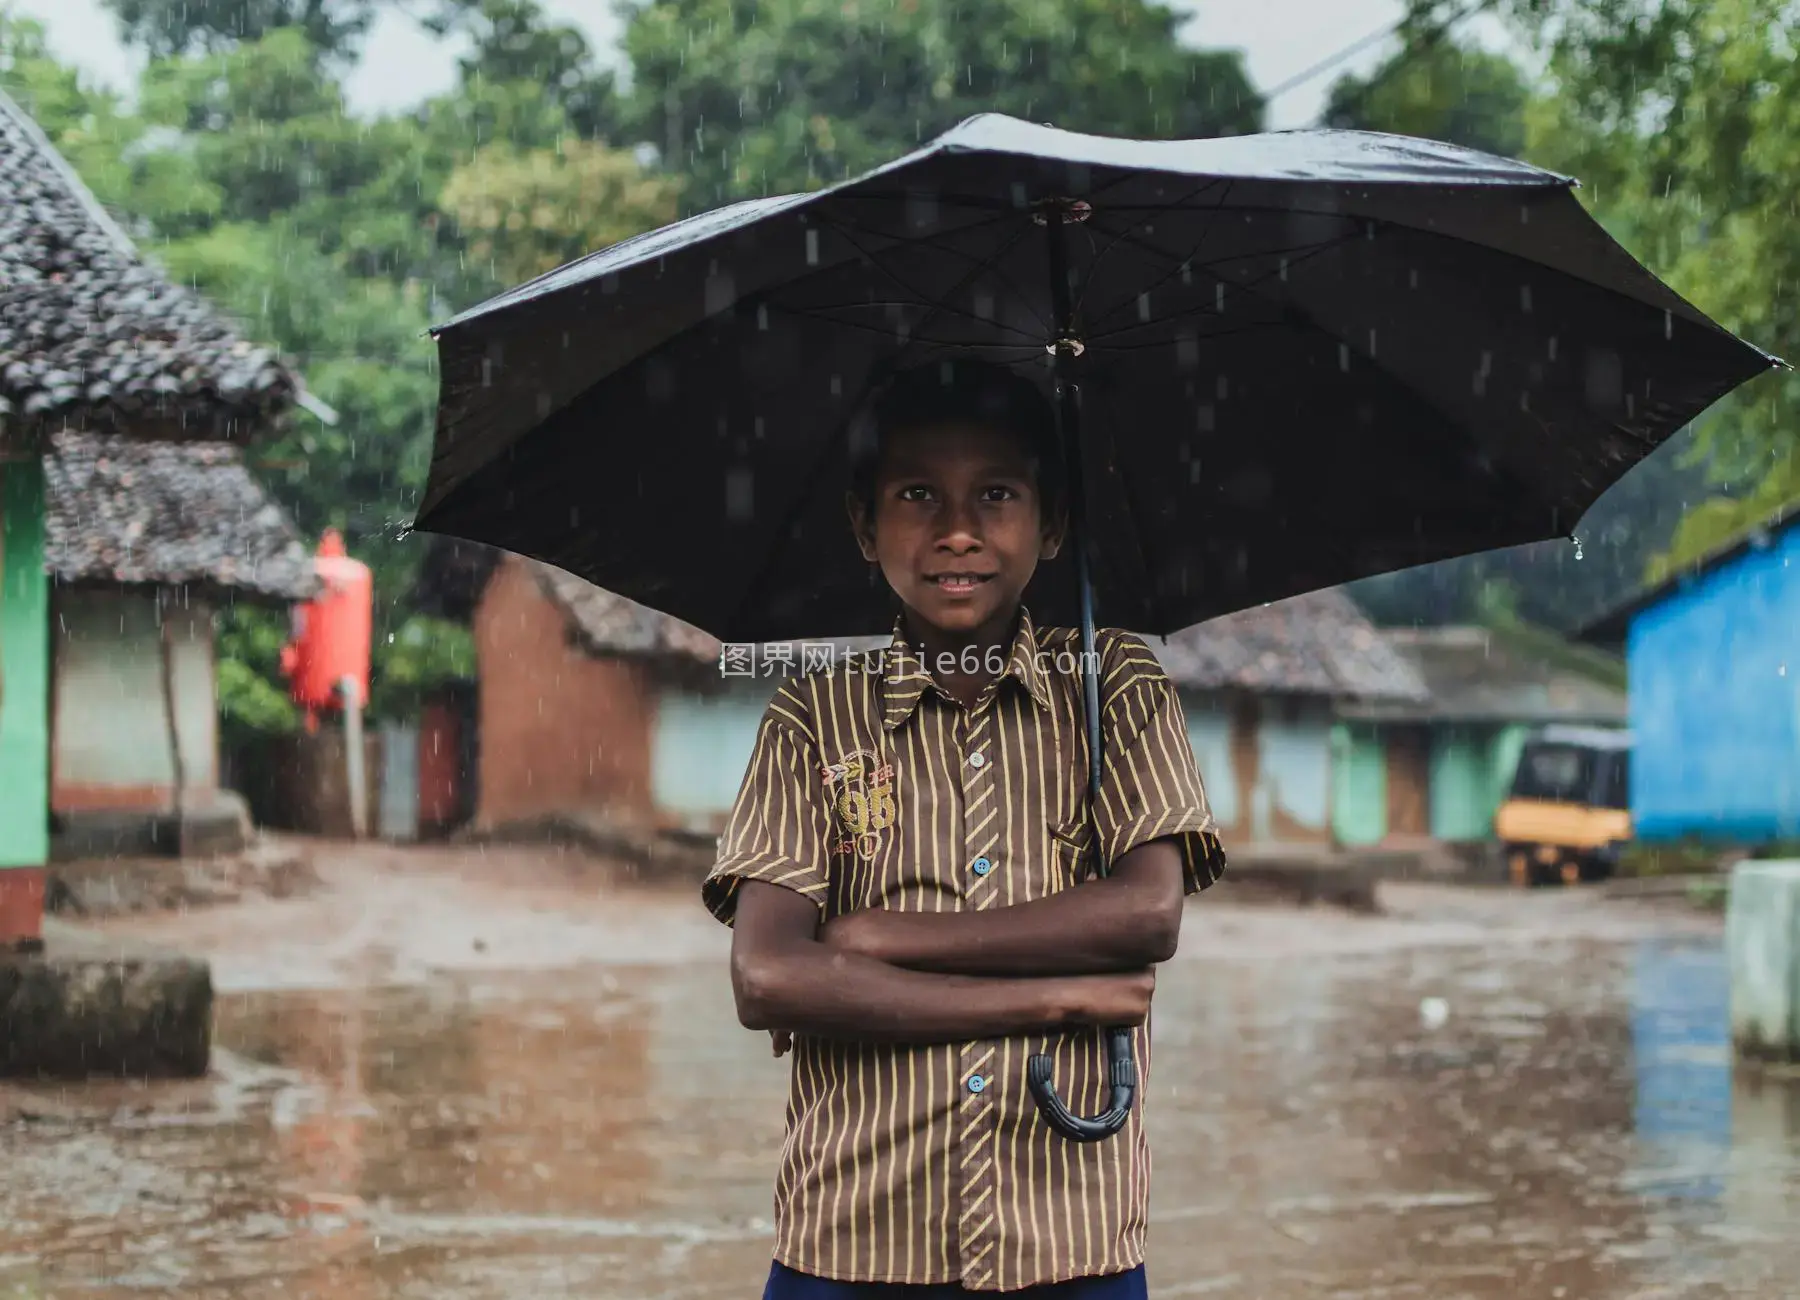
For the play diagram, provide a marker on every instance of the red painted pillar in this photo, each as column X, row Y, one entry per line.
column 22, row 909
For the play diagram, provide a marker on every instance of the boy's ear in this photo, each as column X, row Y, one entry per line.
column 1056, row 531
column 862, row 525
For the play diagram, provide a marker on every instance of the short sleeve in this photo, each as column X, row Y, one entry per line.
column 1150, row 785
column 780, row 825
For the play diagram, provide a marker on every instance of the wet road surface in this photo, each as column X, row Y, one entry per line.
column 431, row 1083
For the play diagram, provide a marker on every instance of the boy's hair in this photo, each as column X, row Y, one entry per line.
column 945, row 392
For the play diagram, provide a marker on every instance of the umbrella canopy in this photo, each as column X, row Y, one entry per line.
column 1306, row 357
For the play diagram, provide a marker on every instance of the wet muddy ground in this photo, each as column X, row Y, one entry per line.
column 457, row 1075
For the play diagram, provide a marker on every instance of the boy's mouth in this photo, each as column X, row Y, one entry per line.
column 957, row 584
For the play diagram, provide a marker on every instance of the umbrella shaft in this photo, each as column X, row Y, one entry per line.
column 1065, row 349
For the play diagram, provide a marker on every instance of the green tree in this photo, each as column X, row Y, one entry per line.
column 169, row 27
column 340, row 239
column 752, row 97
column 1437, row 89
column 513, row 42
column 1684, row 116
column 525, row 212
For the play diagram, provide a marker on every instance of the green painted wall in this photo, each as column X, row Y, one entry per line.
column 1504, row 747
column 24, row 669
column 1358, row 784
column 1462, row 803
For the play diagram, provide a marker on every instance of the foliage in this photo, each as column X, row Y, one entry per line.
column 513, row 44
column 1684, row 115
column 252, row 695
column 754, row 97
column 173, row 27
column 422, row 653
column 1437, row 89
column 525, row 212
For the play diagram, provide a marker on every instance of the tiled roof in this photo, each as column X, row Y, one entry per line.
column 1317, row 644
column 125, row 511
column 91, row 335
column 1479, row 675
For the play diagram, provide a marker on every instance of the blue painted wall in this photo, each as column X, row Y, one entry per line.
column 1715, row 710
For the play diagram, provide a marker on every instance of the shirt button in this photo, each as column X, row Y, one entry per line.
column 976, row 1083
column 976, row 760
column 981, row 866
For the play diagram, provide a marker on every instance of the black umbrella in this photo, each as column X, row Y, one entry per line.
column 1281, row 362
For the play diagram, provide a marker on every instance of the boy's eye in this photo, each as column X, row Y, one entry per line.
column 999, row 492
column 916, row 492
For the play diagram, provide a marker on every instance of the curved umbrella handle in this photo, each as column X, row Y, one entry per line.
column 1121, row 1068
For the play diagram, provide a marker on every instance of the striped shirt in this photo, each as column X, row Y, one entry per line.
column 870, row 787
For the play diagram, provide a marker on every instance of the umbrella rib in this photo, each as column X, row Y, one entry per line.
column 1198, row 338
column 1249, row 287
column 991, row 266
column 818, row 312
column 1294, row 315
column 827, row 217
column 940, row 305
column 1119, row 237
column 752, row 587
column 895, row 334
column 1298, row 253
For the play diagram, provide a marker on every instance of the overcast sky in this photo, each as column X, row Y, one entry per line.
column 1280, row 39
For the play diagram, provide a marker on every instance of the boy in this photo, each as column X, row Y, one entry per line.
column 900, row 871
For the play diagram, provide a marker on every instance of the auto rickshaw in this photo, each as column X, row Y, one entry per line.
column 1568, row 814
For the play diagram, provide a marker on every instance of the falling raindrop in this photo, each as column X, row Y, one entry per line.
column 812, row 248
column 739, row 495
column 1577, row 540
column 1143, row 305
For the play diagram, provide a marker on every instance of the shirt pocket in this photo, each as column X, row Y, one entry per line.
column 1072, row 852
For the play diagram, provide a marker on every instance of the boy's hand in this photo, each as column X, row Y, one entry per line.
column 1112, row 1000
column 782, row 1041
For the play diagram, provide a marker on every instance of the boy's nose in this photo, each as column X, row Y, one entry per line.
column 959, row 531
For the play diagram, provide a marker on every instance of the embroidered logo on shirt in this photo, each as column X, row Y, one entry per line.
column 861, row 790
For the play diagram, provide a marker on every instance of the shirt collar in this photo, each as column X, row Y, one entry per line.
column 908, row 677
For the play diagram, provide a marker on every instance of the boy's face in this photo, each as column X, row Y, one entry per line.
column 958, row 526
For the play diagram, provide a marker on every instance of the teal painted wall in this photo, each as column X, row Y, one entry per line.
column 702, row 746
column 1358, row 784
column 1209, row 734
column 24, row 669
column 1294, row 745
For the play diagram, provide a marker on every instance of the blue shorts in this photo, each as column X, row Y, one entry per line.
column 785, row 1284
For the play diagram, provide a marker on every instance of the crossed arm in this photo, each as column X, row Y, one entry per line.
column 1081, row 956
